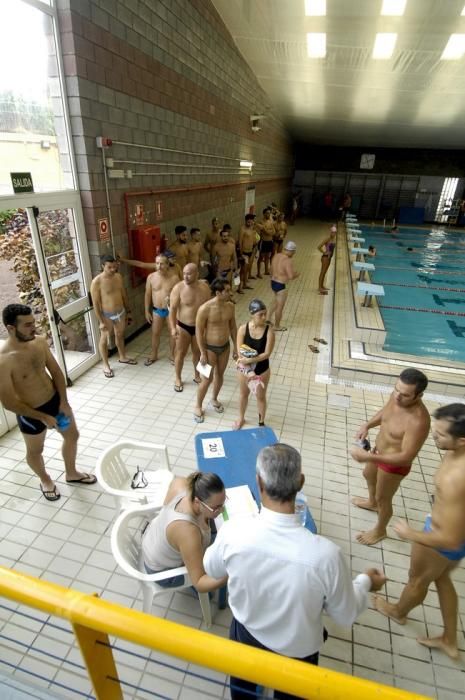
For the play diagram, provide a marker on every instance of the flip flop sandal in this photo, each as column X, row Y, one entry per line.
column 313, row 348
column 218, row 409
column 178, row 388
column 197, row 381
column 148, row 362
column 199, row 419
column 50, row 494
column 108, row 373
column 84, row 479
column 280, row 330
column 130, row 361
column 320, row 340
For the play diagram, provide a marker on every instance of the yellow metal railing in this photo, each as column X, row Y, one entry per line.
column 94, row 619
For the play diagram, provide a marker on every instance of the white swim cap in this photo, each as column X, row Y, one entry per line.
column 334, row 229
column 290, row 246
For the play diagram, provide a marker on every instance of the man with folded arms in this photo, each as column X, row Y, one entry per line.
column 281, row 577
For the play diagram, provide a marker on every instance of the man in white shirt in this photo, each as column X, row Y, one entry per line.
column 281, row 577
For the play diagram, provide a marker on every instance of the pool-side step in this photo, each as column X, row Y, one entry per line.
column 369, row 291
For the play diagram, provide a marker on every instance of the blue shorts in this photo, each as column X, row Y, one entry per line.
column 163, row 313
column 277, row 286
column 451, row 554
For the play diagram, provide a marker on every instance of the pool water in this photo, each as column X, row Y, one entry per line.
column 424, row 304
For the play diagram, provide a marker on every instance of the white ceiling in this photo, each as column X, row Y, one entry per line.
column 411, row 100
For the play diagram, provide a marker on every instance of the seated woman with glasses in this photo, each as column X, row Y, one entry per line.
column 180, row 533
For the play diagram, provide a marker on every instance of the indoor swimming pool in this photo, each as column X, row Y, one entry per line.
column 423, row 275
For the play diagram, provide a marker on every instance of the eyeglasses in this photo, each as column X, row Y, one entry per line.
column 216, row 508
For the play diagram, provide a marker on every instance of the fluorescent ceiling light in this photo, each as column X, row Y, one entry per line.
column 463, row 11
column 316, row 45
column 384, row 45
column 455, row 48
column 246, row 164
column 393, row 8
column 315, row 8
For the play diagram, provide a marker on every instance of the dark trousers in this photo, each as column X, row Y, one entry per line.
column 245, row 690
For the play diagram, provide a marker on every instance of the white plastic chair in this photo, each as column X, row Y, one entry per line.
column 115, row 471
column 126, row 546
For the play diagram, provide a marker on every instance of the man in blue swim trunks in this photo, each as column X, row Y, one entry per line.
column 282, row 271
column 157, row 294
column 438, row 549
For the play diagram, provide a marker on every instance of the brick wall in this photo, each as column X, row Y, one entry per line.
column 165, row 74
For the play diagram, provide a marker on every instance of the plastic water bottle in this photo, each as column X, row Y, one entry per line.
column 63, row 422
column 301, row 507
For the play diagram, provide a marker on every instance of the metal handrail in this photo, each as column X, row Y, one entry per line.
column 94, row 619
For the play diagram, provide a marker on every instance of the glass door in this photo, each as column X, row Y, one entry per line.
column 43, row 254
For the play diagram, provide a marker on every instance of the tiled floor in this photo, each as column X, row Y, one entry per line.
column 68, row 541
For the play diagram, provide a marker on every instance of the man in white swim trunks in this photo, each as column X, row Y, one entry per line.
column 111, row 307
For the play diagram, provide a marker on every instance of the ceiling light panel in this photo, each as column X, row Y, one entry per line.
column 316, row 45
column 385, row 43
column 393, row 8
column 463, row 11
column 455, row 48
column 315, row 8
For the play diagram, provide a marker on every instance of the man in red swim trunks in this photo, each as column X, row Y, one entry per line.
column 404, row 426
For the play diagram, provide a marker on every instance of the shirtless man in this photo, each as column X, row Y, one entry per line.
column 112, row 310
column 194, row 247
column 404, row 425
column 196, row 254
column 179, row 247
column 224, row 255
column 215, row 324
column 212, row 238
column 267, row 231
column 281, row 232
column 246, row 245
column 32, row 385
column 439, row 548
column 157, row 295
column 282, row 271
column 185, row 299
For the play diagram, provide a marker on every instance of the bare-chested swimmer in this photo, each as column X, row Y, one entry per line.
column 185, row 299
column 282, row 272
column 439, row 548
column 157, row 295
column 33, row 386
column 111, row 307
column 404, row 426
column 215, row 326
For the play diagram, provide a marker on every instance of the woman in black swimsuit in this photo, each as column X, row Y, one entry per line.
column 257, row 334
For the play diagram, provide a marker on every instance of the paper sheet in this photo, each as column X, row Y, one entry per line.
column 204, row 370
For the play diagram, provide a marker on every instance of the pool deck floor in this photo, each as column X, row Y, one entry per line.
column 68, row 542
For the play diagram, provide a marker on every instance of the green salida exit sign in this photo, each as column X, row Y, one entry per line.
column 22, row 182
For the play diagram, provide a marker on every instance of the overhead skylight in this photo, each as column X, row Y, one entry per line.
column 455, row 48
column 315, row 8
column 316, row 44
column 393, row 8
column 385, row 43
